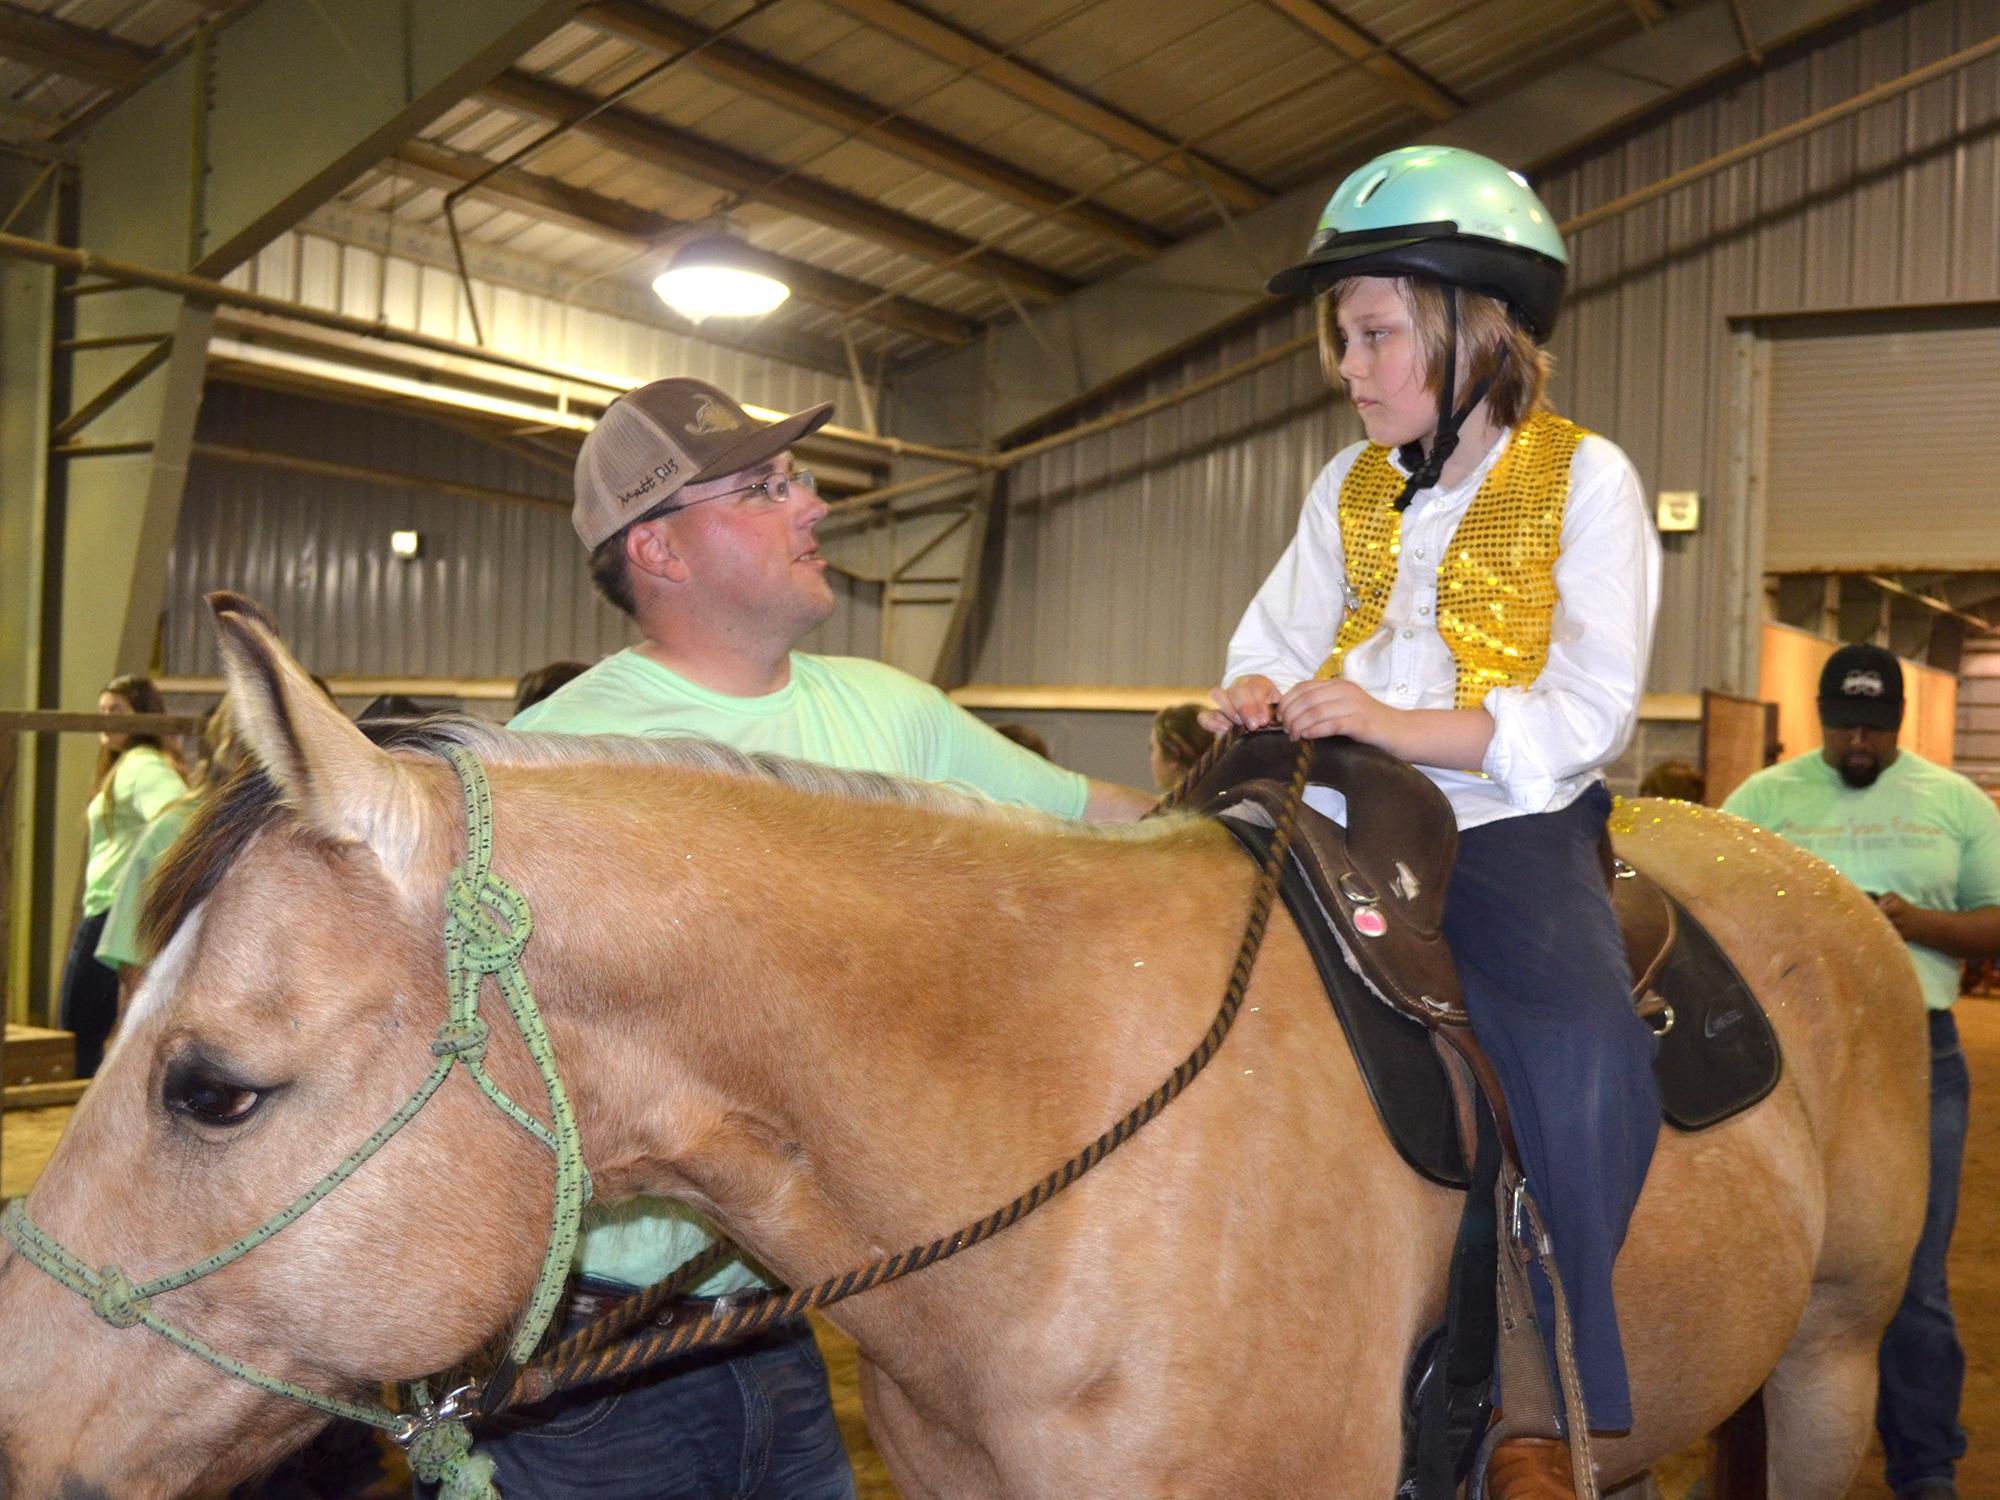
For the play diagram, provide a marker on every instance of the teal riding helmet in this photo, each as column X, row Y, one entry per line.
column 1446, row 214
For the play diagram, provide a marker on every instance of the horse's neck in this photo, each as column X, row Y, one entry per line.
column 846, row 1039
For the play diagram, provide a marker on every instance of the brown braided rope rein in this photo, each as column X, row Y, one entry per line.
column 597, row 1352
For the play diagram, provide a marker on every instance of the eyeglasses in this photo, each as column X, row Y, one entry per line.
column 777, row 490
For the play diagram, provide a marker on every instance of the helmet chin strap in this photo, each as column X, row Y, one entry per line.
column 1426, row 468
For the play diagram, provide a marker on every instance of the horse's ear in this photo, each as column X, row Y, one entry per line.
column 327, row 771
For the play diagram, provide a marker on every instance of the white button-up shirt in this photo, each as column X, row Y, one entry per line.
column 1552, row 738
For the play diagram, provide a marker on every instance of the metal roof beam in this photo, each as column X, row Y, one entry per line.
column 1403, row 80
column 1051, row 96
column 96, row 57
column 549, row 198
column 789, row 88
column 647, row 140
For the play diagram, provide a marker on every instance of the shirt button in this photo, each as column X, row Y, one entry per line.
column 1420, row 553
column 1402, row 688
column 1424, row 610
column 1409, row 635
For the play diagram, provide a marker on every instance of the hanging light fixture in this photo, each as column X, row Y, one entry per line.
column 714, row 277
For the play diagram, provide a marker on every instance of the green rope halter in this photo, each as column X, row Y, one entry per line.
column 486, row 927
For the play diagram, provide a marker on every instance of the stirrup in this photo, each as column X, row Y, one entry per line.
column 1523, row 1354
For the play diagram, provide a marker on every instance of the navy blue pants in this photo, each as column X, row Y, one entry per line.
column 1549, row 992
column 1922, row 1363
column 751, row 1423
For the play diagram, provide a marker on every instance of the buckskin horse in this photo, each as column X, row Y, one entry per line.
column 839, row 1014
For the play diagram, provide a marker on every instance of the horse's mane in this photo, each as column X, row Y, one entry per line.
column 226, row 821
column 506, row 747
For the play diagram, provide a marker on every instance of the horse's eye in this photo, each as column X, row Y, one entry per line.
column 212, row 1100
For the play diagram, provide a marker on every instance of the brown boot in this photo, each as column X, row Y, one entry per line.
column 1528, row 1468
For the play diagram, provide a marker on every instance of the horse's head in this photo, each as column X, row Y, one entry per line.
column 298, row 987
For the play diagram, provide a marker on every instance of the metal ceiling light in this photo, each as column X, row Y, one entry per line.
column 714, row 278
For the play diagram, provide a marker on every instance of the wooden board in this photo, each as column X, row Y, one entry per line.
column 1738, row 739
column 34, row 1054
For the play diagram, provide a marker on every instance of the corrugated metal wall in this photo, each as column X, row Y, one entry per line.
column 498, row 588
column 1129, row 556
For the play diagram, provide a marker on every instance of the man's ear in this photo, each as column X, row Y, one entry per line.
column 338, row 783
column 649, row 550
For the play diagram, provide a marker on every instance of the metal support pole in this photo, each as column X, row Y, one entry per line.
column 862, row 392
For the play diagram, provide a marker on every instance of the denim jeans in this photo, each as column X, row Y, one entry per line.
column 755, row 1423
column 1922, row 1363
column 1549, row 993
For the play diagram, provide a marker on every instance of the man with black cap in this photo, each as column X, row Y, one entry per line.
column 701, row 528
column 1925, row 842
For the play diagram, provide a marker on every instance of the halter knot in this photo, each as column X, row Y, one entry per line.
column 441, row 1454
column 464, row 1039
column 492, row 917
column 117, row 1301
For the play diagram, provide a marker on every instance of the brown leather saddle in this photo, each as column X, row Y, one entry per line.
column 1369, row 901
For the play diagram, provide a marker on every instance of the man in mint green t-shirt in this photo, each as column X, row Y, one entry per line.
column 702, row 529
column 1925, row 843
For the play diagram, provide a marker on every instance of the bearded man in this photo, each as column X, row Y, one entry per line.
column 1924, row 841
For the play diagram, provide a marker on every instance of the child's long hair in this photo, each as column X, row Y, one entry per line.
column 143, row 697
column 1484, row 328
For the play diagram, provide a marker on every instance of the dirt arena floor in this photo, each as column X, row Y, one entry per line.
column 28, row 1136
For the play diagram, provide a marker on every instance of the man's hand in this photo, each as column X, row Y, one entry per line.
column 1971, row 934
column 1905, row 918
column 1111, row 802
column 1246, row 702
column 1314, row 709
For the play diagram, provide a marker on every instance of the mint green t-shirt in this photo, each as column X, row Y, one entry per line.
column 840, row 711
column 143, row 782
column 1921, row 831
column 119, row 945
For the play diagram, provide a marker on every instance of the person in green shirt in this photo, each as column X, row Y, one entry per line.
column 1924, row 841
column 137, row 776
column 119, row 948
column 701, row 528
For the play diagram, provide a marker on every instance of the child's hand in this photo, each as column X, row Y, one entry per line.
column 1315, row 709
column 1246, row 701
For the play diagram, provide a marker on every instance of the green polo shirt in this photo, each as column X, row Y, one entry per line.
column 839, row 711
column 1924, row 832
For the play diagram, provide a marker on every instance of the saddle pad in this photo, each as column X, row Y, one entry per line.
column 1719, row 1058
column 1721, row 1055
column 1401, row 1072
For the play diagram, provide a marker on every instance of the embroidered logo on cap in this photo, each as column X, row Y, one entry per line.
column 711, row 417
column 1861, row 685
column 661, row 472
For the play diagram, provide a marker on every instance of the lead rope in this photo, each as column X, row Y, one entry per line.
column 587, row 1357
column 487, row 925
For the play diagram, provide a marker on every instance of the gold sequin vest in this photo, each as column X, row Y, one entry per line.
column 1496, row 582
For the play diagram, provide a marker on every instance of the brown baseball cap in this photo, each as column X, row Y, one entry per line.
column 654, row 441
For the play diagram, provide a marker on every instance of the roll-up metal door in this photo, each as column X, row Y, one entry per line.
column 1884, row 451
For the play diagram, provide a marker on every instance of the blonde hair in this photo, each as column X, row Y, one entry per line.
column 1485, row 328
